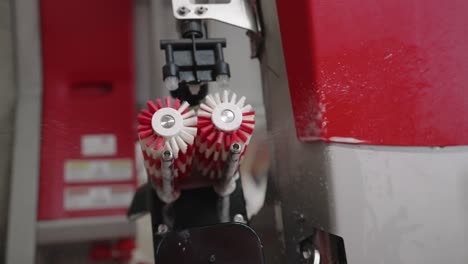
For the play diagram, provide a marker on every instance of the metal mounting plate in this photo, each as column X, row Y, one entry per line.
column 235, row 12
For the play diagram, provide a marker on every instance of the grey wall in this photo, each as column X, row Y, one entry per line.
column 7, row 106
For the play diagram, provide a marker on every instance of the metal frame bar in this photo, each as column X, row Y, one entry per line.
column 21, row 233
column 235, row 12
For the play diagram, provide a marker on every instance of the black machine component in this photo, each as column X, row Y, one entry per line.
column 225, row 243
column 184, row 93
column 193, row 60
column 201, row 207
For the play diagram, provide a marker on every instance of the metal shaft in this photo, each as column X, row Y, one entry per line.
column 232, row 164
column 227, row 181
column 167, row 193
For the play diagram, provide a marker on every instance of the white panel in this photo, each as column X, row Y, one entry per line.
column 395, row 205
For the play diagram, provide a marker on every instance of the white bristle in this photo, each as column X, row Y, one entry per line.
column 241, row 102
column 228, row 123
column 175, row 147
column 190, row 122
column 225, row 96
column 246, row 108
column 189, row 114
column 233, row 99
column 183, row 107
column 217, row 98
column 182, row 145
column 191, row 130
column 210, row 101
column 173, row 129
column 206, row 108
column 203, row 113
column 187, row 137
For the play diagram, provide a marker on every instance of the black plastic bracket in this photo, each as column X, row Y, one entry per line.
column 194, row 60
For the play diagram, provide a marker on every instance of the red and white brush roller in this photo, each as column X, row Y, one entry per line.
column 222, row 121
column 167, row 126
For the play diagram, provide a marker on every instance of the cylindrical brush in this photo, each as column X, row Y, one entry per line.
column 167, row 125
column 222, row 121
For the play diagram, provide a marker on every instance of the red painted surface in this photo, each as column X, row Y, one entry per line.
column 87, row 49
column 389, row 72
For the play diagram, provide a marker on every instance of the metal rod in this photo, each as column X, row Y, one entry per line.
column 232, row 163
column 227, row 181
column 167, row 193
column 224, row 208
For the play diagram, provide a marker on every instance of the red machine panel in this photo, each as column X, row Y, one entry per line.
column 87, row 151
column 389, row 72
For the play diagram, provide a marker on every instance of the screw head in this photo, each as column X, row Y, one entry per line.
column 183, row 11
column 162, row 229
column 201, row 10
column 307, row 254
column 238, row 218
column 312, row 255
column 227, row 116
column 167, row 121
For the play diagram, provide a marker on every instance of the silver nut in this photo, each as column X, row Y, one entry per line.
column 162, row 229
column 307, row 254
column 238, row 218
column 183, row 11
column 312, row 255
column 201, row 10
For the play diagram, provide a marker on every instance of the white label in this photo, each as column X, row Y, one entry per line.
column 98, row 145
column 105, row 197
column 98, row 170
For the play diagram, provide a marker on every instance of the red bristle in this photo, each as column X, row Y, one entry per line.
column 204, row 122
column 248, row 113
column 182, row 157
column 210, row 139
column 227, row 142
column 181, row 175
column 168, row 101
column 246, row 129
column 145, row 134
column 151, row 141
column 219, row 141
column 176, row 104
column 242, row 136
column 144, row 119
column 152, row 107
column 159, row 103
column 141, row 128
column 234, row 138
column 157, row 163
column 204, row 118
column 205, row 131
column 252, row 122
column 151, row 161
column 146, row 113
column 159, row 143
column 207, row 160
column 189, row 149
